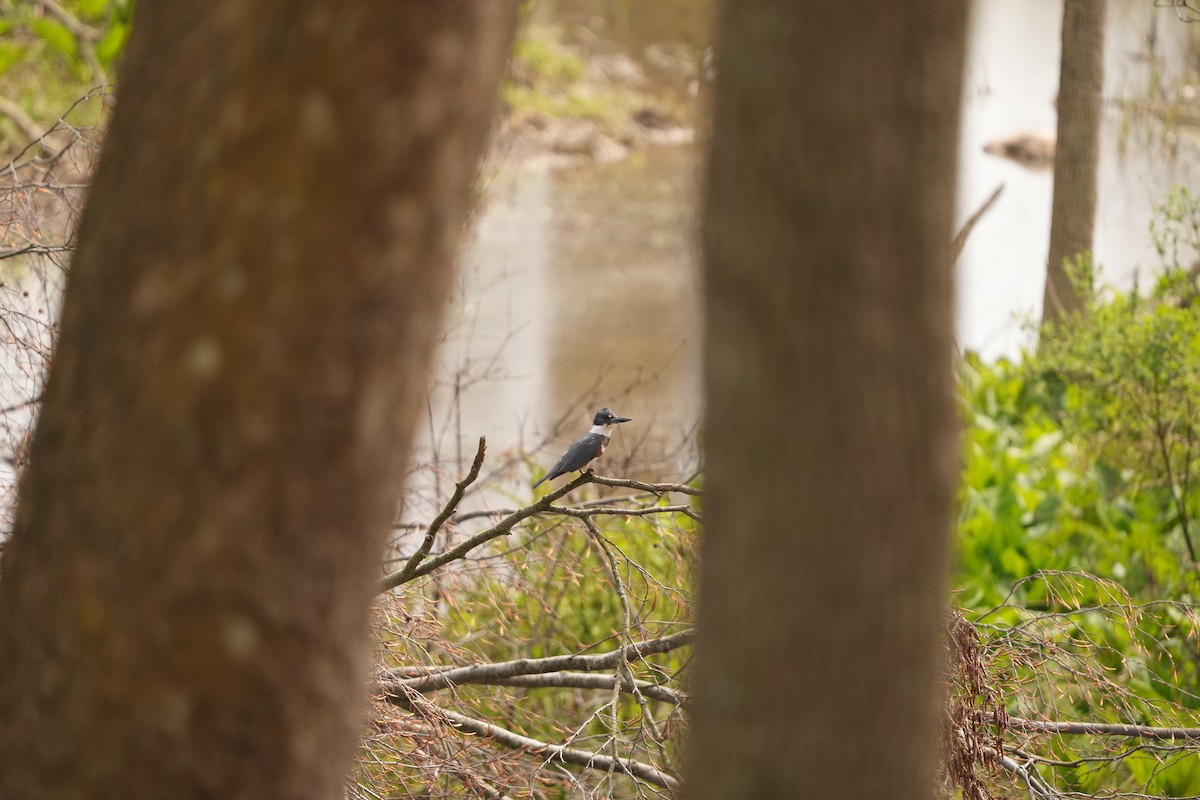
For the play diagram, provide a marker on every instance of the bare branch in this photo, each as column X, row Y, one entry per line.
column 653, row 488
column 459, row 489
column 505, row 526
column 413, row 702
column 432, row 679
column 1037, row 786
column 1102, row 729
column 585, row 680
column 615, row 511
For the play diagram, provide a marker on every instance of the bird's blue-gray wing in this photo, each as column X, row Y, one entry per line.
column 579, row 454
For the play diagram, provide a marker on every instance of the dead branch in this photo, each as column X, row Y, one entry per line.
column 585, row 680
column 412, row 701
column 460, row 489
column 505, row 526
column 502, row 528
column 435, row 678
column 1104, row 729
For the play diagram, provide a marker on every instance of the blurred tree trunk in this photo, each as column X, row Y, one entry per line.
column 258, row 284
column 1077, row 151
column 831, row 425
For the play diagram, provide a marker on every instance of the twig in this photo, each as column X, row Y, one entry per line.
column 588, row 513
column 33, row 401
column 501, row 528
column 415, row 703
column 460, row 488
column 1038, row 788
column 960, row 240
column 625, row 680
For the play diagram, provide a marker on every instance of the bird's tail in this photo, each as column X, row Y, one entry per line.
column 541, row 480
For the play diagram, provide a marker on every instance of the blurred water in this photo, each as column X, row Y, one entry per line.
column 582, row 282
column 579, row 285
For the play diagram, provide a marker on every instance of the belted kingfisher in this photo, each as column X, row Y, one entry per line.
column 586, row 447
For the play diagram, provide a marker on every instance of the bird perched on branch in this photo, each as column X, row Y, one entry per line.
column 590, row 445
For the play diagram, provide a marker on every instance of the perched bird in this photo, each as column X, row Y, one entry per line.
column 586, row 447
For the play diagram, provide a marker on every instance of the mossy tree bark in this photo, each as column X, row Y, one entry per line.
column 831, row 425
column 1077, row 152
column 259, row 277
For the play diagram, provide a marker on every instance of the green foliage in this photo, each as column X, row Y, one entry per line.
column 540, row 58
column 56, row 35
column 1075, row 513
column 550, row 78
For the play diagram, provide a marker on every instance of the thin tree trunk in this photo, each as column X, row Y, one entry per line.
column 1077, row 152
column 258, row 284
column 831, row 426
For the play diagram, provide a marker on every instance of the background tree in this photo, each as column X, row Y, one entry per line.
column 829, row 414
column 1077, row 153
column 259, row 279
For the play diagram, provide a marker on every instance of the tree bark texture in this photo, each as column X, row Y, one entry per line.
column 1077, row 151
column 830, row 414
column 259, row 280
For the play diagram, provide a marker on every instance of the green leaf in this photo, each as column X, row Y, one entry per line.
column 55, row 34
column 1014, row 563
column 92, row 9
column 112, row 43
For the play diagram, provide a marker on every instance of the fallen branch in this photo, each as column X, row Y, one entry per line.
column 1103, row 729
column 413, row 702
column 432, row 679
column 585, row 680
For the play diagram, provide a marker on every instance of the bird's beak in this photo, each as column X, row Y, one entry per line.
column 622, row 419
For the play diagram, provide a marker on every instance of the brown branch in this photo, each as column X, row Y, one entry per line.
column 658, row 490
column 33, row 249
column 501, row 528
column 1103, row 729
column 960, row 241
column 432, row 679
column 652, row 488
column 568, row 755
column 1178, row 497
column 586, row 513
column 460, row 489
column 584, row 680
